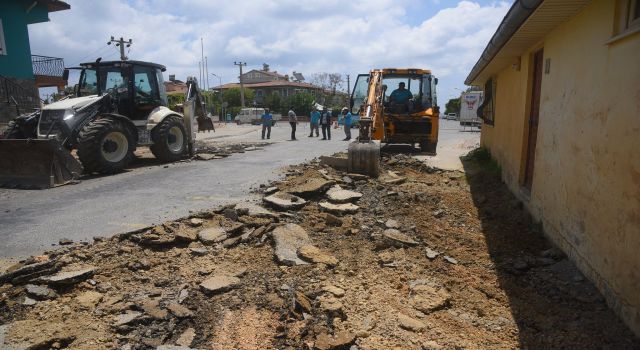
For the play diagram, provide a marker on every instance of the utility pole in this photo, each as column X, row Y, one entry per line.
column 206, row 64
column 348, row 85
column 121, row 43
column 241, row 64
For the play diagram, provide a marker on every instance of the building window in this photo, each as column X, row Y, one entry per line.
column 3, row 47
column 627, row 16
column 486, row 111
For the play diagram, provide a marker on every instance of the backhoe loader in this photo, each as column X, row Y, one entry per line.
column 117, row 106
column 408, row 115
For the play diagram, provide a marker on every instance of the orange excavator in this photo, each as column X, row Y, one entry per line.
column 407, row 115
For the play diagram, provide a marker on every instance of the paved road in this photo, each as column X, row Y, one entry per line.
column 31, row 220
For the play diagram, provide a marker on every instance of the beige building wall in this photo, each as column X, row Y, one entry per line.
column 586, row 184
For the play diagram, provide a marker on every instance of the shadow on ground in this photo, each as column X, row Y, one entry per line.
column 553, row 305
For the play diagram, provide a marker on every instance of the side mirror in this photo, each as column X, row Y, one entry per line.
column 436, row 81
column 76, row 90
column 65, row 75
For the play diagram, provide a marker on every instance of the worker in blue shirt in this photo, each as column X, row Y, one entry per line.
column 346, row 115
column 267, row 122
column 401, row 97
column 314, row 121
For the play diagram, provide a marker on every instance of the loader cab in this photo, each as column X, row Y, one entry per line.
column 420, row 86
column 136, row 87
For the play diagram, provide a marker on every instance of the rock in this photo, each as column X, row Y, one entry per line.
column 332, row 220
column 270, row 190
column 303, row 302
column 199, row 251
column 310, row 186
column 26, row 272
column 89, row 299
column 396, row 181
column 40, row 292
column 338, row 292
column 331, row 305
column 346, row 208
column 179, row 311
column 28, row 302
column 231, row 242
column 230, row 214
column 69, row 277
column 431, row 254
column 173, row 347
column 127, row 318
column 187, row 337
column 205, row 156
column 212, row 235
column 431, row 345
column 338, row 195
column 410, row 323
column 255, row 210
column 428, row 299
column 357, row 177
column 343, row 339
column 288, row 239
column 152, row 308
column 219, row 284
column 315, row 255
column 438, row 213
column 399, row 237
column 386, row 257
column 391, row 224
column 65, row 241
column 195, row 222
column 183, row 295
column 285, row 201
column 185, row 235
column 450, row 260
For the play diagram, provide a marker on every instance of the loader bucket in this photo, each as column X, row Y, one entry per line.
column 36, row 164
column 364, row 158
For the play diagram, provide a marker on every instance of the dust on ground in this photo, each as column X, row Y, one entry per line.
column 424, row 259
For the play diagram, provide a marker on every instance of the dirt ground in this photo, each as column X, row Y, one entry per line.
column 429, row 259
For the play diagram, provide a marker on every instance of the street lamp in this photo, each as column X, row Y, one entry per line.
column 220, row 95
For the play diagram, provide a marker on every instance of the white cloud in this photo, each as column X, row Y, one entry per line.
column 303, row 35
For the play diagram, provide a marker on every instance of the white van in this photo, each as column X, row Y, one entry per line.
column 469, row 102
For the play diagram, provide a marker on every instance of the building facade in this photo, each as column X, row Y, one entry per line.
column 21, row 73
column 562, row 118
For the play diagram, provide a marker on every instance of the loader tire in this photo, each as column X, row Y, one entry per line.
column 13, row 131
column 428, row 147
column 169, row 139
column 105, row 146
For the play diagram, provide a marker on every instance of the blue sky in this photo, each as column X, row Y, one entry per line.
column 446, row 36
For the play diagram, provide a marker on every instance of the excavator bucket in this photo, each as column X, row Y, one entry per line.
column 364, row 158
column 36, row 164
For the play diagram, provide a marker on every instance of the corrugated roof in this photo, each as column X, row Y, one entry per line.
column 275, row 83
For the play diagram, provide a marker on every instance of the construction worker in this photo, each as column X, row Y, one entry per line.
column 293, row 121
column 313, row 122
column 267, row 122
column 346, row 119
column 325, row 122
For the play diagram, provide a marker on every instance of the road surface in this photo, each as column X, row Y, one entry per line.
column 34, row 220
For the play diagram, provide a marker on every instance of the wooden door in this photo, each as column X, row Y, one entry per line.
column 534, row 115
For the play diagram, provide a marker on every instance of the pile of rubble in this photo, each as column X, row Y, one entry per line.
column 209, row 151
column 418, row 259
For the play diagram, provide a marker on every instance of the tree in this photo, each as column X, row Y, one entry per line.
column 302, row 103
column 453, row 106
column 328, row 81
column 274, row 102
column 232, row 97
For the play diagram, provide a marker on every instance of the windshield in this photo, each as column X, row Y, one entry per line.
column 419, row 89
column 110, row 78
column 359, row 92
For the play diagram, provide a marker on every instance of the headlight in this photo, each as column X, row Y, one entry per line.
column 68, row 114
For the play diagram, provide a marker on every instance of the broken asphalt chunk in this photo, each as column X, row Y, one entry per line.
column 346, row 208
column 219, row 284
column 315, row 255
column 399, row 237
column 288, row 239
column 339, row 195
column 285, row 201
column 69, row 277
